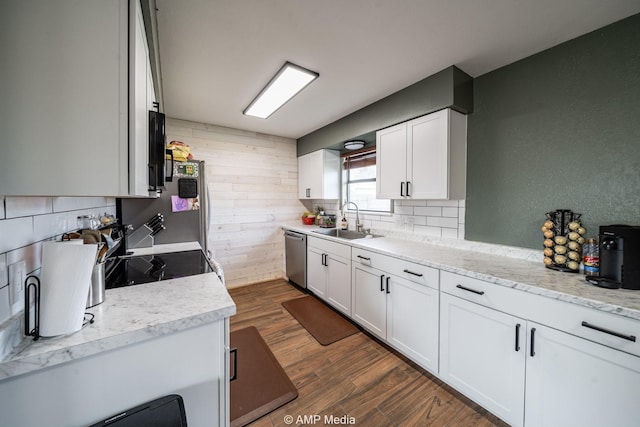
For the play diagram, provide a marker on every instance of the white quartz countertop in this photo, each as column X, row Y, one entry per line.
column 493, row 266
column 129, row 315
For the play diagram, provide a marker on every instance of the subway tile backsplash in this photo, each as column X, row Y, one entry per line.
column 25, row 222
column 437, row 218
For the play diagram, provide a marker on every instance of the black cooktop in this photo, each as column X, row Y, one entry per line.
column 134, row 270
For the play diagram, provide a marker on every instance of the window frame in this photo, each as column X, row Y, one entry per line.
column 346, row 174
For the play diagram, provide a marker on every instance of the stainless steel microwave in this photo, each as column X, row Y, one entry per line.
column 157, row 151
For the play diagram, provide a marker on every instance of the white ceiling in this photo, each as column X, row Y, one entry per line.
column 216, row 55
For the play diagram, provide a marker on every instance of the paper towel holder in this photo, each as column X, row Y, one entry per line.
column 35, row 286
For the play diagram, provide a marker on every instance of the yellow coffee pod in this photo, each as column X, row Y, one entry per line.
column 574, row 246
column 574, row 256
column 582, row 230
column 548, row 224
column 547, row 261
column 560, row 240
column 560, row 249
column 573, row 265
column 574, row 235
column 547, row 252
column 559, row 259
column 548, row 234
column 574, row 226
column 548, row 243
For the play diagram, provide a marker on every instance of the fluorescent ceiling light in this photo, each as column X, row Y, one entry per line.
column 290, row 80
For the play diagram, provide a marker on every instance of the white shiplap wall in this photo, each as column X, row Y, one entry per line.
column 252, row 180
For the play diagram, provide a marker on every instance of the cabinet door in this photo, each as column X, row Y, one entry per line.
column 391, row 162
column 480, row 356
column 304, row 172
column 369, row 300
column 428, row 156
column 339, row 283
column 316, row 273
column 140, row 74
column 64, row 98
column 575, row 382
column 412, row 321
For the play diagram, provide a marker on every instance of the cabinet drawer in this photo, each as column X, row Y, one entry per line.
column 608, row 329
column 328, row 246
column 480, row 292
column 603, row 328
column 416, row 273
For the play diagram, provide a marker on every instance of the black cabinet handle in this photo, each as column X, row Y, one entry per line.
column 324, row 260
column 518, row 337
column 415, row 274
column 533, row 342
column 402, row 189
column 308, row 192
column 364, row 258
column 631, row 338
column 234, row 352
column 382, row 283
column 388, row 290
column 408, row 183
column 470, row 290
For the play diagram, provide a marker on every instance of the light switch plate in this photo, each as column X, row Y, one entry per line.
column 17, row 273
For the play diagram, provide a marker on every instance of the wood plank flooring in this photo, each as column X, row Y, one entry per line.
column 355, row 377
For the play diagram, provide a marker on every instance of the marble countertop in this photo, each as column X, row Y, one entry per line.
column 516, row 268
column 129, row 315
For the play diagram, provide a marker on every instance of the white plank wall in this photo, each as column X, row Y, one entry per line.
column 252, row 180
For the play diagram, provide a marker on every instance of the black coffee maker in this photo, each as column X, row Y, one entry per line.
column 619, row 257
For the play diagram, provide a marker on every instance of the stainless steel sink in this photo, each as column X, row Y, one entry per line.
column 344, row 234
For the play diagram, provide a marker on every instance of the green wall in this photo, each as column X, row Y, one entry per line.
column 559, row 129
column 450, row 87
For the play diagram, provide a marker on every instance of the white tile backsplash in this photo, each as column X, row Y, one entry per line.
column 25, row 222
column 16, row 207
column 61, row 204
column 438, row 218
column 48, row 226
column 16, row 232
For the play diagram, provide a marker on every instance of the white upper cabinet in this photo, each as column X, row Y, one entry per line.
column 142, row 97
column 66, row 97
column 319, row 175
column 424, row 158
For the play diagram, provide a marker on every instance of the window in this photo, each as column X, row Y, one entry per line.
column 359, row 181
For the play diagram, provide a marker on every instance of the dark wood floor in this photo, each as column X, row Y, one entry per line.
column 355, row 377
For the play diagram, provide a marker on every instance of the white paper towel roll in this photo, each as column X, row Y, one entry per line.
column 65, row 278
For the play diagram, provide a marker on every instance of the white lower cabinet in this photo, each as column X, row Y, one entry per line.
column 329, row 272
column 482, row 355
column 575, row 382
column 398, row 310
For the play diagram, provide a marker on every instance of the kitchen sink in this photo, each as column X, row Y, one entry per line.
column 344, row 234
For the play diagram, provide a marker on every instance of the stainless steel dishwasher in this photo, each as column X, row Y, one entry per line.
column 295, row 245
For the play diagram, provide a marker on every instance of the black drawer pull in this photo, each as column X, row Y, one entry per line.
column 470, row 290
column 402, row 189
column 388, row 291
column 364, row 258
column 609, row 331
column 382, row 283
column 408, row 183
column 415, row 274
column 234, row 352
column 518, row 337
column 533, row 342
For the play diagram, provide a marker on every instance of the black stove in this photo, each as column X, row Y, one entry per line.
column 138, row 269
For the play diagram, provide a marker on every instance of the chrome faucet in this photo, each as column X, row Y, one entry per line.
column 358, row 224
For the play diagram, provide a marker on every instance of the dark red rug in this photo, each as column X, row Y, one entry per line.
column 261, row 385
